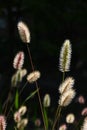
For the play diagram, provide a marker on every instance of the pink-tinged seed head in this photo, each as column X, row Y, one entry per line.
column 63, row 127
column 81, row 99
column 84, row 112
column 37, row 122
column 2, row 123
column 18, row 60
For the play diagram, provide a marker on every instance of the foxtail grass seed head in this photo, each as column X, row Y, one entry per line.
column 66, row 98
column 46, row 100
column 84, row 127
column 14, row 80
column 2, row 123
column 17, row 117
column 18, row 76
column 84, row 112
column 22, row 110
column 70, row 118
column 22, row 124
column 63, row 127
column 23, row 32
column 18, row 60
column 65, row 56
column 32, row 77
column 23, row 72
column 66, row 85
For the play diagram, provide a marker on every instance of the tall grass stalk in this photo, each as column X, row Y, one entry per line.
column 38, row 93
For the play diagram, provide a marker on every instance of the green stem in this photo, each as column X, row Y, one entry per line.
column 31, row 95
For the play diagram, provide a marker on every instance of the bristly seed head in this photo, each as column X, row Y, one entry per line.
column 70, row 118
column 84, row 112
column 84, row 127
column 22, row 110
column 2, row 122
column 46, row 100
column 22, row 124
column 23, row 32
column 65, row 56
column 18, row 60
column 66, row 98
column 17, row 117
column 66, row 85
column 32, row 77
column 63, row 127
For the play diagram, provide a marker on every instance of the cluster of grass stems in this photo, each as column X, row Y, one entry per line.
column 66, row 91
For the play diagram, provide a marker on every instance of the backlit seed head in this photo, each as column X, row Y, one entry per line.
column 70, row 118
column 66, row 98
column 23, row 32
column 84, row 112
column 23, row 72
column 18, row 76
column 17, row 117
column 32, row 77
column 65, row 56
column 2, row 123
column 63, row 127
column 84, row 127
column 66, row 85
column 18, row 60
column 81, row 99
column 14, row 80
column 22, row 124
column 46, row 100
column 22, row 110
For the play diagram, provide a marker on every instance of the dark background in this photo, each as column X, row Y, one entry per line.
column 50, row 23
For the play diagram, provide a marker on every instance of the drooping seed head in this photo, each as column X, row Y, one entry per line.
column 22, row 124
column 32, row 77
column 22, row 110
